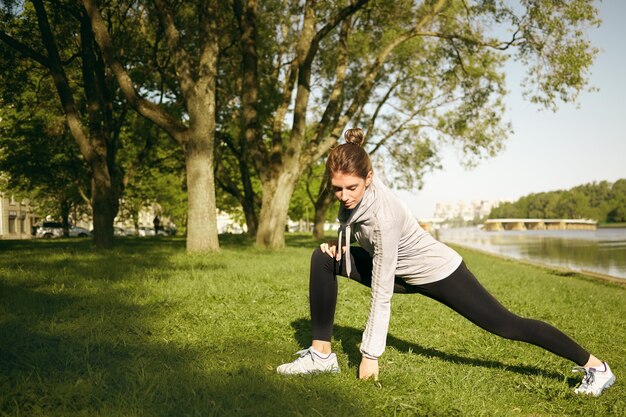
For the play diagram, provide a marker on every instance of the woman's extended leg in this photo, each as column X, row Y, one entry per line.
column 462, row 292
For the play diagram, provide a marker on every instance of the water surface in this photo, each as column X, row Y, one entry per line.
column 602, row 251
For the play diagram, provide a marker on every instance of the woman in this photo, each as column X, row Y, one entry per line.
column 397, row 255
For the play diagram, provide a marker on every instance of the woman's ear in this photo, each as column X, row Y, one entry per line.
column 368, row 179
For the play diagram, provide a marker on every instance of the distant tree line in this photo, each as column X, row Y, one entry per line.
column 602, row 201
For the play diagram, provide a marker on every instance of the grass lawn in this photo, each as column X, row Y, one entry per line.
column 147, row 330
column 612, row 225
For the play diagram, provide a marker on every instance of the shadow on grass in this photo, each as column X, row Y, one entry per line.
column 350, row 339
column 306, row 240
column 93, row 349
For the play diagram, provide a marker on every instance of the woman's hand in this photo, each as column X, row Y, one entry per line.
column 368, row 368
column 330, row 248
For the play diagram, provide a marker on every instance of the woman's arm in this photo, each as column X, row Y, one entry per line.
column 385, row 240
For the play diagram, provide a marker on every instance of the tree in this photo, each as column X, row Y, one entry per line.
column 187, row 70
column 415, row 74
column 306, row 200
column 154, row 174
column 41, row 160
column 579, row 202
column 617, row 213
column 572, row 205
column 599, row 197
column 235, row 179
column 67, row 53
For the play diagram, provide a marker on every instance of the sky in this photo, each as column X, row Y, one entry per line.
column 578, row 144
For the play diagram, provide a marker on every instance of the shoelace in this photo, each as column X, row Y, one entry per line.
column 304, row 352
column 589, row 378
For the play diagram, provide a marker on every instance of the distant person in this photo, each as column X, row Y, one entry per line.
column 157, row 224
column 397, row 256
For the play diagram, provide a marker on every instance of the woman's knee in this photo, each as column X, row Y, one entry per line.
column 318, row 255
column 321, row 259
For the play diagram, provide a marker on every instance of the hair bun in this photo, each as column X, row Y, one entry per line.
column 354, row 136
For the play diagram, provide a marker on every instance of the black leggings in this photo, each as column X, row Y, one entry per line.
column 460, row 291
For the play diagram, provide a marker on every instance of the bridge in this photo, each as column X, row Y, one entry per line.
column 540, row 224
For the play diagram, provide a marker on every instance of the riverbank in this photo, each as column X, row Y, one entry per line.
column 554, row 269
column 612, row 225
column 599, row 252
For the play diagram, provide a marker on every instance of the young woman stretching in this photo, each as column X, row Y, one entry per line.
column 397, row 255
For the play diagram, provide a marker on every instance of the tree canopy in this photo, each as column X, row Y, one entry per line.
column 416, row 75
column 268, row 87
column 602, row 201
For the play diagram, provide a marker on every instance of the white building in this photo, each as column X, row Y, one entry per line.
column 464, row 210
column 16, row 218
column 227, row 224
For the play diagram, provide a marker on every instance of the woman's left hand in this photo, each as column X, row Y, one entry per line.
column 368, row 368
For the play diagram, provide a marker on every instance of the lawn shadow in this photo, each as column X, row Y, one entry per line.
column 350, row 339
column 65, row 351
column 305, row 240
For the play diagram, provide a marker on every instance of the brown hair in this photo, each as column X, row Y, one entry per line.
column 350, row 157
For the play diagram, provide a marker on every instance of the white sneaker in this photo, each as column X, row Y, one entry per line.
column 594, row 381
column 309, row 362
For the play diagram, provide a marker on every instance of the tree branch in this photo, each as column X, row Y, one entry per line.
column 24, row 49
column 62, row 84
column 146, row 108
column 394, row 131
column 368, row 82
column 333, row 107
column 250, row 141
column 182, row 61
column 379, row 106
column 495, row 44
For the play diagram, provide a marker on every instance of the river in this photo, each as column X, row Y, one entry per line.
column 601, row 251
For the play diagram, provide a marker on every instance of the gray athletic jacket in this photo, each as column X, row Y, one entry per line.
column 386, row 229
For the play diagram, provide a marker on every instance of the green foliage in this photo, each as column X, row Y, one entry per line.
column 37, row 153
column 442, row 84
column 601, row 201
column 301, row 206
column 145, row 329
column 554, row 34
column 154, row 172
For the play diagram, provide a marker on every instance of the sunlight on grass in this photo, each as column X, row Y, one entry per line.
column 148, row 330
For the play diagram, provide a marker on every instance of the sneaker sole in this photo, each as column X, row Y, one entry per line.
column 605, row 386
column 320, row 371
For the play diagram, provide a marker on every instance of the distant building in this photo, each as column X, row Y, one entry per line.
column 16, row 218
column 226, row 223
column 466, row 211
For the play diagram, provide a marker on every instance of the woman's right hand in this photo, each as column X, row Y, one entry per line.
column 330, row 248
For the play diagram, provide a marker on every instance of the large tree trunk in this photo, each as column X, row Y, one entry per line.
column 249, row 210
column 200, row 167
column 65, row 216
column 96, row 144
column 273, row 217
column 197, row 76
column 105, row 205
column 201, row 220
column 245, row 11
column 323, row 203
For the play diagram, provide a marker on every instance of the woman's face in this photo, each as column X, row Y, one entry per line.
column 349, row 188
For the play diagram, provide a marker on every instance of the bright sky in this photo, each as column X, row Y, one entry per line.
column 548, row 151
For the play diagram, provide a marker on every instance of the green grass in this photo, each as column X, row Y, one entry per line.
column 147, row 330
column 612, row 225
